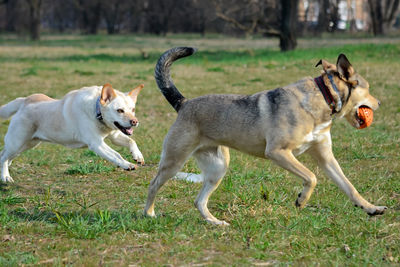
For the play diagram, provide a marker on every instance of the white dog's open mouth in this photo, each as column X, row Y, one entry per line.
column 125, row 130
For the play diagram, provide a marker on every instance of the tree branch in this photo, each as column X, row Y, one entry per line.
column 233, row 21
column 393, row 11
column 248, row 29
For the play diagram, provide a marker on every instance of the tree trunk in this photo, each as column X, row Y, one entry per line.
column 351, row 18
column 34, row 19
column 334, row 15
column 111, row 18
column 323, row 19
column 11, row 15
column 375, row 9
column 90, row 15
column 95, row 20
column 383, row 15
column 288, row 38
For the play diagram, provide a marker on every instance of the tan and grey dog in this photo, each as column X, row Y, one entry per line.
column 279, row 125
column 82, row 118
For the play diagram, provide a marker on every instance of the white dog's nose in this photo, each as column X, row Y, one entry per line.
column 134, row 122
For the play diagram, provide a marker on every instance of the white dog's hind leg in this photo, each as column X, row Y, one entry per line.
column 213, row 162
column 17, row 140
column 9, row 153
column 119, row 139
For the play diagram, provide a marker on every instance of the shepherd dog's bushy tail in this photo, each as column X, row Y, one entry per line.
column 163, row 77
column 9, row 109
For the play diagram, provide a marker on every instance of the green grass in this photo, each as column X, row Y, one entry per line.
column 70, row 207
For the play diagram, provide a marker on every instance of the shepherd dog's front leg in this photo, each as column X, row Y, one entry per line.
column 323, row 154
column 286, row 159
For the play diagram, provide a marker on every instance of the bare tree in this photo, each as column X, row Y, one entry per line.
column 269, row 17
column 383, row 15
column 7, row 15
column 159, row 14
column 288, row 36
column 61, row 15
column 323, row 16
column 333, row 15
column 114, row 12
column 34, row 18
column 90, row 15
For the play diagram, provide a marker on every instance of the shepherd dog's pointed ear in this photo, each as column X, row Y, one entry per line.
column 107, row 94
column 135, row 92
column 344, row 67
column 326, row 66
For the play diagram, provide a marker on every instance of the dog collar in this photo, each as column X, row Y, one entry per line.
column 327, row 93
column 98, row 111
column 339, row 103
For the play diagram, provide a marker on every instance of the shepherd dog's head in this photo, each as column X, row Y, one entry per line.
column 353, row 88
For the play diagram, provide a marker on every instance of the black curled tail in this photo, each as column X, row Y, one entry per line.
column 163, row 78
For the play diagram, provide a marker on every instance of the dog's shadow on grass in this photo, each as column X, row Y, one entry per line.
column 7, row 187
column 88, row 224
column 4, row 187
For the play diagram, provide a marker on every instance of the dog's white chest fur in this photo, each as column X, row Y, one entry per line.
column 317, row 134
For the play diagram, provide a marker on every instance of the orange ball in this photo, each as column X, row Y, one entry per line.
column 366, row 115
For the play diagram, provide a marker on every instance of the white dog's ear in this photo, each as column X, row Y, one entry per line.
column 327, row 67
column 107, row 94
column 344, row 67
column 135, row 92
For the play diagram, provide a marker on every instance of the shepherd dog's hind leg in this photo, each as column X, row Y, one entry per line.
column 213, row 161
column 176, row 150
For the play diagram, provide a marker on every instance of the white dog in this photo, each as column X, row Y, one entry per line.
column 82, row 118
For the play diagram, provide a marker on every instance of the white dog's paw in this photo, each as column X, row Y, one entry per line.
column 138, row 157
column 376, row 210
column 128, row 166
column 217, row 222
column 373, row 210
column 7, row 179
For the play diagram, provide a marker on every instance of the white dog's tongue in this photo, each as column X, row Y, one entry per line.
column 129, row 131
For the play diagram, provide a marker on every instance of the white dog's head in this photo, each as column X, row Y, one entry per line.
column 118, row 109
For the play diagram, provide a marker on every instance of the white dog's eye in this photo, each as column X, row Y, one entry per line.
column 120, row 110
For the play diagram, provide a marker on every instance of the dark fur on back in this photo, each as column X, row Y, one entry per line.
column 163, row 77
column 281, row 104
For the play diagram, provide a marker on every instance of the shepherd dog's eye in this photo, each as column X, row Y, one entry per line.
column 120, row 110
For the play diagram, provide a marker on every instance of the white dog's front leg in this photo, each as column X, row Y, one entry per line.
column 136, row 154
column 5, row 175
column 106, row 152
column 120, row 139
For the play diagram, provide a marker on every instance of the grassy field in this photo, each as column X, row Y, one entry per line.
column 70, row 207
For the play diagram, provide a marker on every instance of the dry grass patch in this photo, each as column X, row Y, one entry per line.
column 71, row 207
